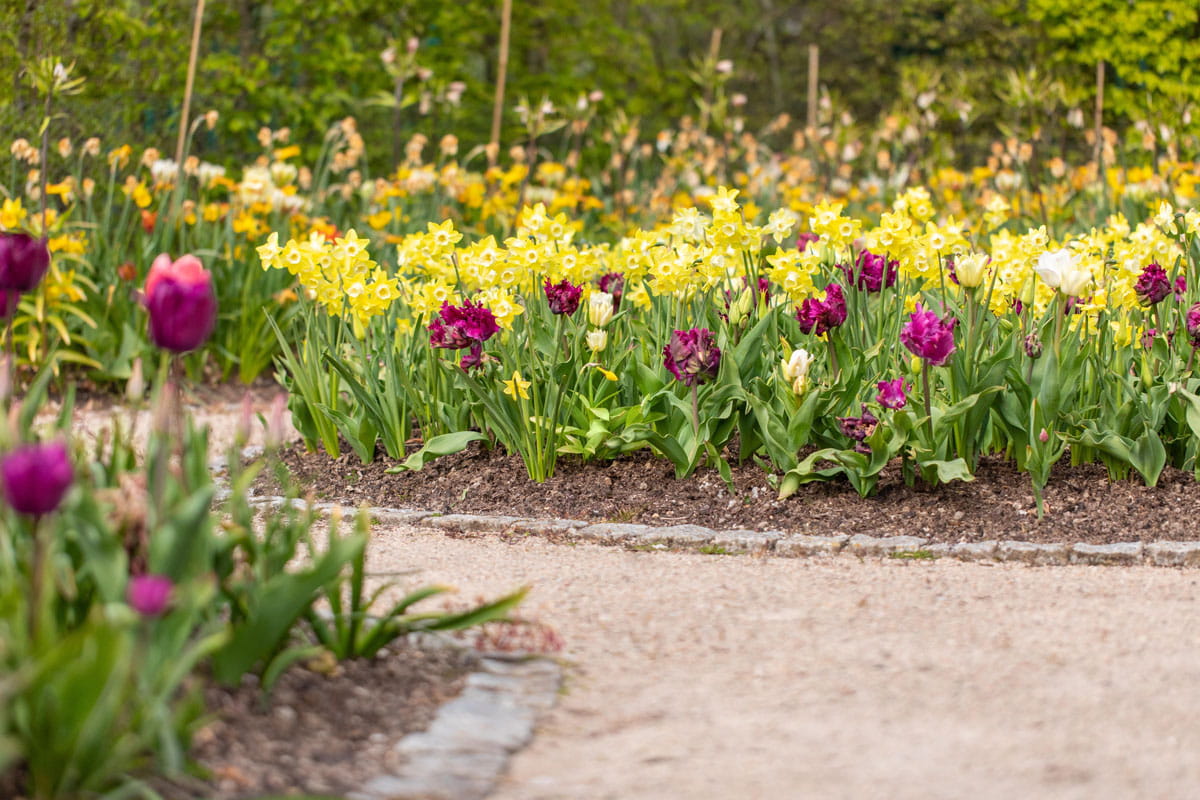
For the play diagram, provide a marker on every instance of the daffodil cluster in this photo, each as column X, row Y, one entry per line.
column 336, row 273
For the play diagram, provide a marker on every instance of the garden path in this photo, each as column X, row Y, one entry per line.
column 706, row 676
column 728, row 676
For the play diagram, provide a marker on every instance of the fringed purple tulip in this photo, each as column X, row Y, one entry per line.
column 563, row 297
column 692, row 356
column 891, row 394
column 1152, row 285
column 149, row 595
column 821, row 316
column 36, row 477
column 928, row 337
column 859, row 429
column 181, row 303
column 23, row 261
column 872, row 273
column 458, row 327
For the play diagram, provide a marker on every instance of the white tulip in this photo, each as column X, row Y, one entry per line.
column 1051, row 266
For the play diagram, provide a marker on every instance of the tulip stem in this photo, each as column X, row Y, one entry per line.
column 925, row 397
column 36, row 581
column 696, row 411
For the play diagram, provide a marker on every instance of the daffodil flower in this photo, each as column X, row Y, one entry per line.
column 517, row 387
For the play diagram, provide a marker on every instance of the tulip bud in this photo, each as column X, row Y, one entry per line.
column 597, row 340
column 1043, row 437
column 36, row 477
column 135, row 390
column 1033, row 346
column 181, row 303
column 149, row 595
column 23, row 261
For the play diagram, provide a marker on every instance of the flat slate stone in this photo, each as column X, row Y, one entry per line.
column 1035, row 554
column 863, row 545
column 1120, row 553
column 471, row 523
column 804, row 545
column 1174, row 554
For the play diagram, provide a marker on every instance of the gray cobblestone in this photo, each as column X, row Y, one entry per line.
column 615, row 533
column 805, row 545
column 1034, row 554
column 746, row 541
column 975, row 551
column 1173, row 554
column 862, row 545
column 471, row 523
column 1120, row 553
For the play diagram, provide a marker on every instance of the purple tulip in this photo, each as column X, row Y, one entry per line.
column 1152, row 285
column 181, row 303
column 458, row 327
column 1180, row 288
column 149, row 595
column 892, row 394
column 820, row 316
column 613, row 283
column 36, row 477
column 805, row 239
column 874, row 273
column 473, row 358
column 692, row 356
column 1193, row 324
column 859, row 428
column 563, row 297
column 929, row 337
column 23, row 261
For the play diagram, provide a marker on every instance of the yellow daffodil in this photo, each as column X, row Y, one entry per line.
column 517, row 388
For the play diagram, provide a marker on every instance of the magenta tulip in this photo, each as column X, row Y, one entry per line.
column 36, row 477
column 181, row 303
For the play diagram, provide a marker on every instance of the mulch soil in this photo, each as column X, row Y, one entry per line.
column 322, row 731
column 1082, row 504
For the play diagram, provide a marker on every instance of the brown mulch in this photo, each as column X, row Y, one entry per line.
column 1082, row 505
column 320, row 732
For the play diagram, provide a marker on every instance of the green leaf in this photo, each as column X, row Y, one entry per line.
column 443, row 445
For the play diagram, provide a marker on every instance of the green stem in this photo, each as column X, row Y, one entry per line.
column 926, row 398
column 696, row 411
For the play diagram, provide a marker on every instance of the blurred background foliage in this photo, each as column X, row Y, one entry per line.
column 968, row 70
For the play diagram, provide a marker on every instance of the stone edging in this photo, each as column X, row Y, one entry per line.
column 778, row 543
column 465, row 750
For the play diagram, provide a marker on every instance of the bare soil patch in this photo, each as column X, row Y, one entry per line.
column 1082, row 504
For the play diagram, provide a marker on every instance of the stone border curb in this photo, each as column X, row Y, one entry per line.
column 465, row 751
column 697, row 538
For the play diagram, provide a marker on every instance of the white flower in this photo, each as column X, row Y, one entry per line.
column 1051, row 266
column 600, row 309
column 971, row 269
column 597, row 340
column 795, row 369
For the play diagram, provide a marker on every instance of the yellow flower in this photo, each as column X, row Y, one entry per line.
column 517, row 387
column 11, row 214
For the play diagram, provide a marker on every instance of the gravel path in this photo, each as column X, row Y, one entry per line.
column 738, row 677
column 708, row 676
